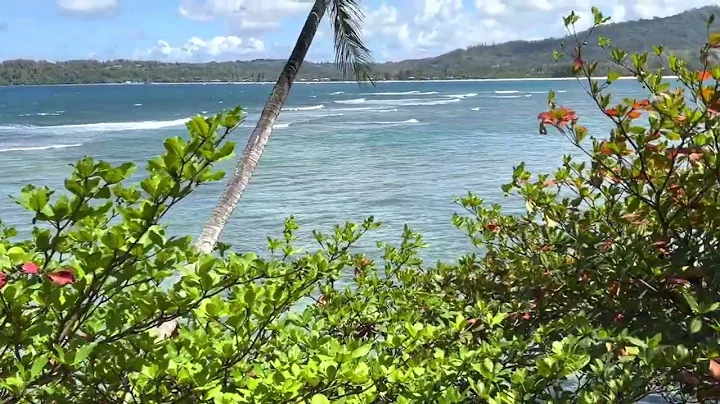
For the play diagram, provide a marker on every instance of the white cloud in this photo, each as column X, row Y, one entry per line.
column 398, row 29
column 87, row 6
column 197, row 49
column 244, row 16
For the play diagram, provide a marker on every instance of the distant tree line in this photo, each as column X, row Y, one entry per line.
column 681, row 34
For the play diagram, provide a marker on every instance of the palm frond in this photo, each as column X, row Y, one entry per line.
column 351, row 54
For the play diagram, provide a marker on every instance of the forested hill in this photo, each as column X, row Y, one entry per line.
column 682, row 34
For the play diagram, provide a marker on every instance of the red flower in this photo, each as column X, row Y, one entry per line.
column 30, row 268
column 526, row 316
column 3, row 278
column 619, row 317
column 62, row 278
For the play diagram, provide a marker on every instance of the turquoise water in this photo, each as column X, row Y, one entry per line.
column 398, row 151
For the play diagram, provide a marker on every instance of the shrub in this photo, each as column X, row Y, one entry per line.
column 604, row 291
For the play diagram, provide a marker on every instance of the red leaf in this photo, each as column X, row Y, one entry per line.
column 30, row 268
column 492, row 227
column 611, row 112
column 62, row 278
column 714, row 368
column 3, row 278
column 578, row 62
column 545, row 118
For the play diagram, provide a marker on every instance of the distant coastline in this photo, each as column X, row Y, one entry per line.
column 509, row 79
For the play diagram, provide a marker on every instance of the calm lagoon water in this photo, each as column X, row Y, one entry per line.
column 397, row 151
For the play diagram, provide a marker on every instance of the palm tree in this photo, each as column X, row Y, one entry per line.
column 351, row 56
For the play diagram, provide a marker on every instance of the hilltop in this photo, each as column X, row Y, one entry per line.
column 682, row 34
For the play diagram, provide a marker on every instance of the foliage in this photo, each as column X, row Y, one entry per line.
column 681, row 34
column 606, row 290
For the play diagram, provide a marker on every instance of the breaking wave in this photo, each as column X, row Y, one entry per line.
column 308, row 108
column 34, row 148
column 95, row 127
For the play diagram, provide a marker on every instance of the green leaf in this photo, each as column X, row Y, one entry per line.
column 83, row 353
column 38, row 366
column 690, row 299
column 319, row 399
column 362, row 351
column 695, row 325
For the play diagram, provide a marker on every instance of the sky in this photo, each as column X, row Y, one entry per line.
column 206, row 30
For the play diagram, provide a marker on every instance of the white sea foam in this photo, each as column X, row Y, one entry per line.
column 308, row 108
column 96, row 127
column 506, row 91
column 467, row 95
column 281, row 125
column 353, row 101
column 395, row 123
column 34, row 148
column 403, row 102
column 393, row 93
column 137, row 105
column 56, row 113
column 505, row 96
column 475, row 109
column 337, row 93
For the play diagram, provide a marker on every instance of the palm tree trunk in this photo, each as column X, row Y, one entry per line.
column 235, row 187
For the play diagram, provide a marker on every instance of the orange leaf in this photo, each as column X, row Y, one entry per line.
column 611, row 112
column 704, row 75
column 633, row 114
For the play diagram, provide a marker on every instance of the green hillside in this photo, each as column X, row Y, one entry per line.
column 682, row 34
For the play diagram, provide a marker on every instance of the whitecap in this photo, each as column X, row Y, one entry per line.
column 35, row 148
column 506, row 91
column 137, row 105
column 281, row 125
column 95, row 127
column 467, row 95
column 395, row 93
column 308, row 108
column 337, row 93
column 354, row 101
column 475, row 109
column 56, row 113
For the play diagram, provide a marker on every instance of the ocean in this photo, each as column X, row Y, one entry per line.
column 399, row 151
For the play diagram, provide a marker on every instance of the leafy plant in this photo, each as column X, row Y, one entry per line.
column 605, row 290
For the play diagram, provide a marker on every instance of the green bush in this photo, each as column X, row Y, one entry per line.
column 606, row 290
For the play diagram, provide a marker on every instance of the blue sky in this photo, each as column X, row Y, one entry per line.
column 204, row 30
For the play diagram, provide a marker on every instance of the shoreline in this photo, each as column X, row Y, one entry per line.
column 512, row 79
